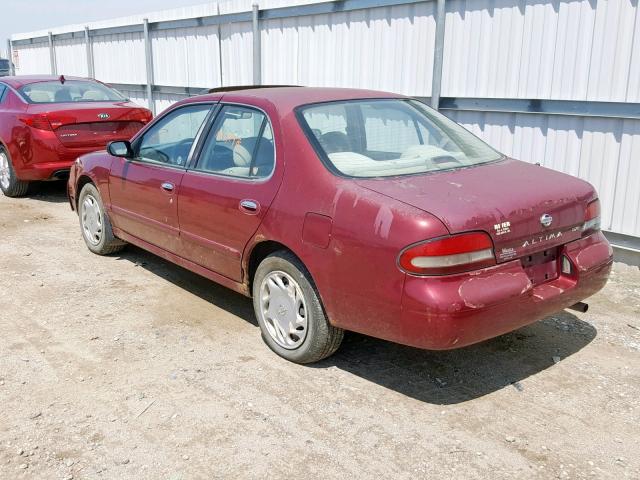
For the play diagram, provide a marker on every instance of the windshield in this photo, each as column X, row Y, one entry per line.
column 388, row 137
column 4, row 64
column 69, row 91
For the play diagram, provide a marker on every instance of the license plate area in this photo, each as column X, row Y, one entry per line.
column 542, row 266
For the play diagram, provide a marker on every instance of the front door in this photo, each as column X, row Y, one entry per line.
column 224, row 197
column 144, row 191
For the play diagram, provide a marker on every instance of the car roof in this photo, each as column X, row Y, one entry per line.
column 22, row 80
column 288, row 98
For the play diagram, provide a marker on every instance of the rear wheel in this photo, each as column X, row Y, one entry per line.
column 289, row 312
column 95, row 224
column 10, row 185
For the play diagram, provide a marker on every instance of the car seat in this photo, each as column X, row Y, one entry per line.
column 62, row 96
column 333, row 142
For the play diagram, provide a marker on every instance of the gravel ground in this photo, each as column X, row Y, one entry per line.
column 130, row 367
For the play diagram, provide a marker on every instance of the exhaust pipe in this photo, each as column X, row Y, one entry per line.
column 580, row 307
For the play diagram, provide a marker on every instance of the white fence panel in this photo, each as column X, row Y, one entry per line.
column 71, row 57
column 33, row 59
column 237, row 54
column 380, row 48
column 577, row 50
column 188, row 57
column 119, row 58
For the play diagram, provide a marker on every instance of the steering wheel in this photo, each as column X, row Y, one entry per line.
column 157, row 155
column 177, row 159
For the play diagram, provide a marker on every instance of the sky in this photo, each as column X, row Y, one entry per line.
column 17, row 16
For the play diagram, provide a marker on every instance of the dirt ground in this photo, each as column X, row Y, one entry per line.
column 128, row 367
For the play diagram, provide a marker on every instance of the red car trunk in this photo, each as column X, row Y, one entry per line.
column 92, row 124
column 505, row 199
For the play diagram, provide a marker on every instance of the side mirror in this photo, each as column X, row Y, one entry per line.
column 120, row 149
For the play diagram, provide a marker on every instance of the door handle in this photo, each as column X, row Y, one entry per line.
column 167, row 186
column 249, row 206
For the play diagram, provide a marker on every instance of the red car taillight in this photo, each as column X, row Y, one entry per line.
column 447, row 255
column 143, row 115
column 592, row 217
column 39, row 122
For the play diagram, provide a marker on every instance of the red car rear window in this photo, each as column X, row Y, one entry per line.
column 70, row 91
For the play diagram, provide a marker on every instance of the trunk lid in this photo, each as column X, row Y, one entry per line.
column 506, row 199
column 93, row 124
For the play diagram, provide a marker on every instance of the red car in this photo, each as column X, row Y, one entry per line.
column 47, row 122
column 341, row 209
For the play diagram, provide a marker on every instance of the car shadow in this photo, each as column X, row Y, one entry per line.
column 211, row 292
column 54, row 191
column 436, row 377
column 455, row 376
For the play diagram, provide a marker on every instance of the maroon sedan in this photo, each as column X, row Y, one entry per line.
column 48, row 122
column 347, row 210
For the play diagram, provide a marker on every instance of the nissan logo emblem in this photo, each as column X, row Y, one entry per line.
column 546, row 220
column 103, row 116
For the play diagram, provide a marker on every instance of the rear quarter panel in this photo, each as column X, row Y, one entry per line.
column 12, row 134
column 355, row 271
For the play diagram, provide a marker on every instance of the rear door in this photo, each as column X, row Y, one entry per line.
column 224, row 197
column 144, row 190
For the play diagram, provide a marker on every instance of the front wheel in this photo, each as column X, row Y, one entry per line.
column 289, row 312
column 95, row 224
column 10, row 185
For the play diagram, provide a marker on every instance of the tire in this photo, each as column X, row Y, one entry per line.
column 95, row 225
column 10, row 185
column 289, row 311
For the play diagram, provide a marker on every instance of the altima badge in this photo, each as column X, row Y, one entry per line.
column 103, row 116
column 546, row 220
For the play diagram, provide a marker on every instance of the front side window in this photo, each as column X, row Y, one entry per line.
column 388, row 137
column 70, row 91
column 170, row 139
column 240, row 144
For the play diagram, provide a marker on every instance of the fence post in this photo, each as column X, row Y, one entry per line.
column 90, row 68
column 257, row 53
column 149, row 63
column 52, row 55
column 219, row 46
column 12, row 70
column 438, row 54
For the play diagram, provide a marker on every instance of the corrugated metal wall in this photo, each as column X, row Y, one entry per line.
column 529, row 49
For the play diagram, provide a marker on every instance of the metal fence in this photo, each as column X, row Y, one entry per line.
column 549, row 81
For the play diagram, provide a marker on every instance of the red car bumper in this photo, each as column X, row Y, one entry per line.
column 41, row 156
column 454, row 311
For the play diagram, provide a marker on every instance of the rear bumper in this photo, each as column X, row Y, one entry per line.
column 442, row 313
column 41, row 156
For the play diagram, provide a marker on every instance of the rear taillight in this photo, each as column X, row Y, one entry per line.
column 592, row 217
column 143, row 115
column 39, row 122
column 447, row 255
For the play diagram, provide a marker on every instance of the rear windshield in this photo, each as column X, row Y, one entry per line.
column 389, row 137
column 4, row 64
column 69, row 91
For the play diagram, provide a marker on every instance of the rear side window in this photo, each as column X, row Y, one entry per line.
column 70, row 91
column 240, row 144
